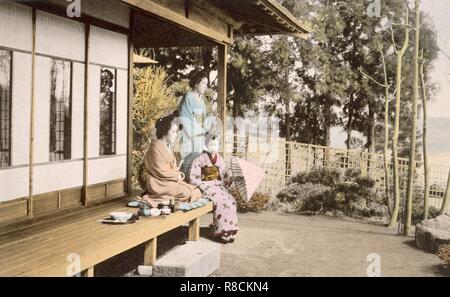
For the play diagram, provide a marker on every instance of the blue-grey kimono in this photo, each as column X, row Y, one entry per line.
column 192, row 110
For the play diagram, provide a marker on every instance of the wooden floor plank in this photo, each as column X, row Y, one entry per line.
column 53, row 223
column 63, row 232
column 94, row 243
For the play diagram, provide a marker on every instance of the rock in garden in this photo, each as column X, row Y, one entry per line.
column 433, row 232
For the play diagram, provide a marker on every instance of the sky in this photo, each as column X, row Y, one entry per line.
column 439, row 11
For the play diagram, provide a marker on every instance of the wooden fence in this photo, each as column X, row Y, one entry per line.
column 282, row 159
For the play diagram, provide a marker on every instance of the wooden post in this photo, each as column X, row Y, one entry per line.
column 194, row 229
column 150, row 252
column 444, row 207
column 130, row 107
column 33, row 99
column 85, row 118
column 308, row 152
column 222, row 91
column 88, row 272
column 287, row 171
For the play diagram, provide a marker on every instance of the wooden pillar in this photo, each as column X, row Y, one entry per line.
column 150, row 252
column 444, row 206
column 33, row 99
column 88, row 272
column 130, row 107
column 222, row 91
column 194, row 229
column 85, row 117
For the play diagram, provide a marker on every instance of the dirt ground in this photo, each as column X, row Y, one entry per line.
column 274, row 244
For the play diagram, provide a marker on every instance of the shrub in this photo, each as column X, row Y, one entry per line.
column 444, row 253
column 417, row 212
column 324, row 176
column 257, row 203
column 326, row 189
column 153, row 99
column 306, row 197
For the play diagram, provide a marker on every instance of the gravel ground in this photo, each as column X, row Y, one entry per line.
column 274, row 244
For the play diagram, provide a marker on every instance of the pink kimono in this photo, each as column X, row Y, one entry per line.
column 211, row 176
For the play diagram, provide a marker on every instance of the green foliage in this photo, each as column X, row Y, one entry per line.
column 304, row 197
column 444, row 253
column 343, row 41
column 417, row 212
column 257, row 203
column 325, row 189
column 249, row 74
column 153, row 99
column 324, row 176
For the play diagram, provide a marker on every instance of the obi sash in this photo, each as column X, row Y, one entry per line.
column 210, row 173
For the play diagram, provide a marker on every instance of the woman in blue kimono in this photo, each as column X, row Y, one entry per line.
column 192, row 112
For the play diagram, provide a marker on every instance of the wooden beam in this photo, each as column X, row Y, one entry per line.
column 88, row 272
column 61, row 10
column 33, row 99
column 194, row 229
column 179, row 20
column 85, row 196
column 222, row 91
column 150, row 252
column 129, row 185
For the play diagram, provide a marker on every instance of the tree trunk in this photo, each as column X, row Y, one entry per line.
column 424, row 148
column 350, row 123
column 386, row 134
column 400, row 55
column 412, row 152
column 236, row 109
column 327, row 122
column 371, row 132
column 444, row 206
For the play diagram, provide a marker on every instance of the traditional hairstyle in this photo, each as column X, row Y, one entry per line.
column 164, row 124
column 209, row 136
column 196, row 78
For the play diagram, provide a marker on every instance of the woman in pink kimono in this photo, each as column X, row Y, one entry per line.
column 209, row 173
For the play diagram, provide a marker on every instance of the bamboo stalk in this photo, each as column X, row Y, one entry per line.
column 400, row 55
column 412, row 150
column 386, row 133
column 425, row 142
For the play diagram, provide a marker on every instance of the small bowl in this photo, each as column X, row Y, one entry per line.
column 154, row 212
column 121, row 216
column 166, row 211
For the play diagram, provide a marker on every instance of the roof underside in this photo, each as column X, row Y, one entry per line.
column 181, row 23
column 262, row 17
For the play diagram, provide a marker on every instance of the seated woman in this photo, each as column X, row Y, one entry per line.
column 209, row 173
column 160, row 176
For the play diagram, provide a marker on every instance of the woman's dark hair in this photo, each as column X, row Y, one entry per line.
column 164, row 124
column 196, row 78
column 210, row 136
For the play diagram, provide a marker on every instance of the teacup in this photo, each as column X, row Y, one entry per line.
column 166, row 211
column 154, row 212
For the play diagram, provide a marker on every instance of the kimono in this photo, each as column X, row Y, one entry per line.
column 192, row 111
column 211, row 176
column 160, row 176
